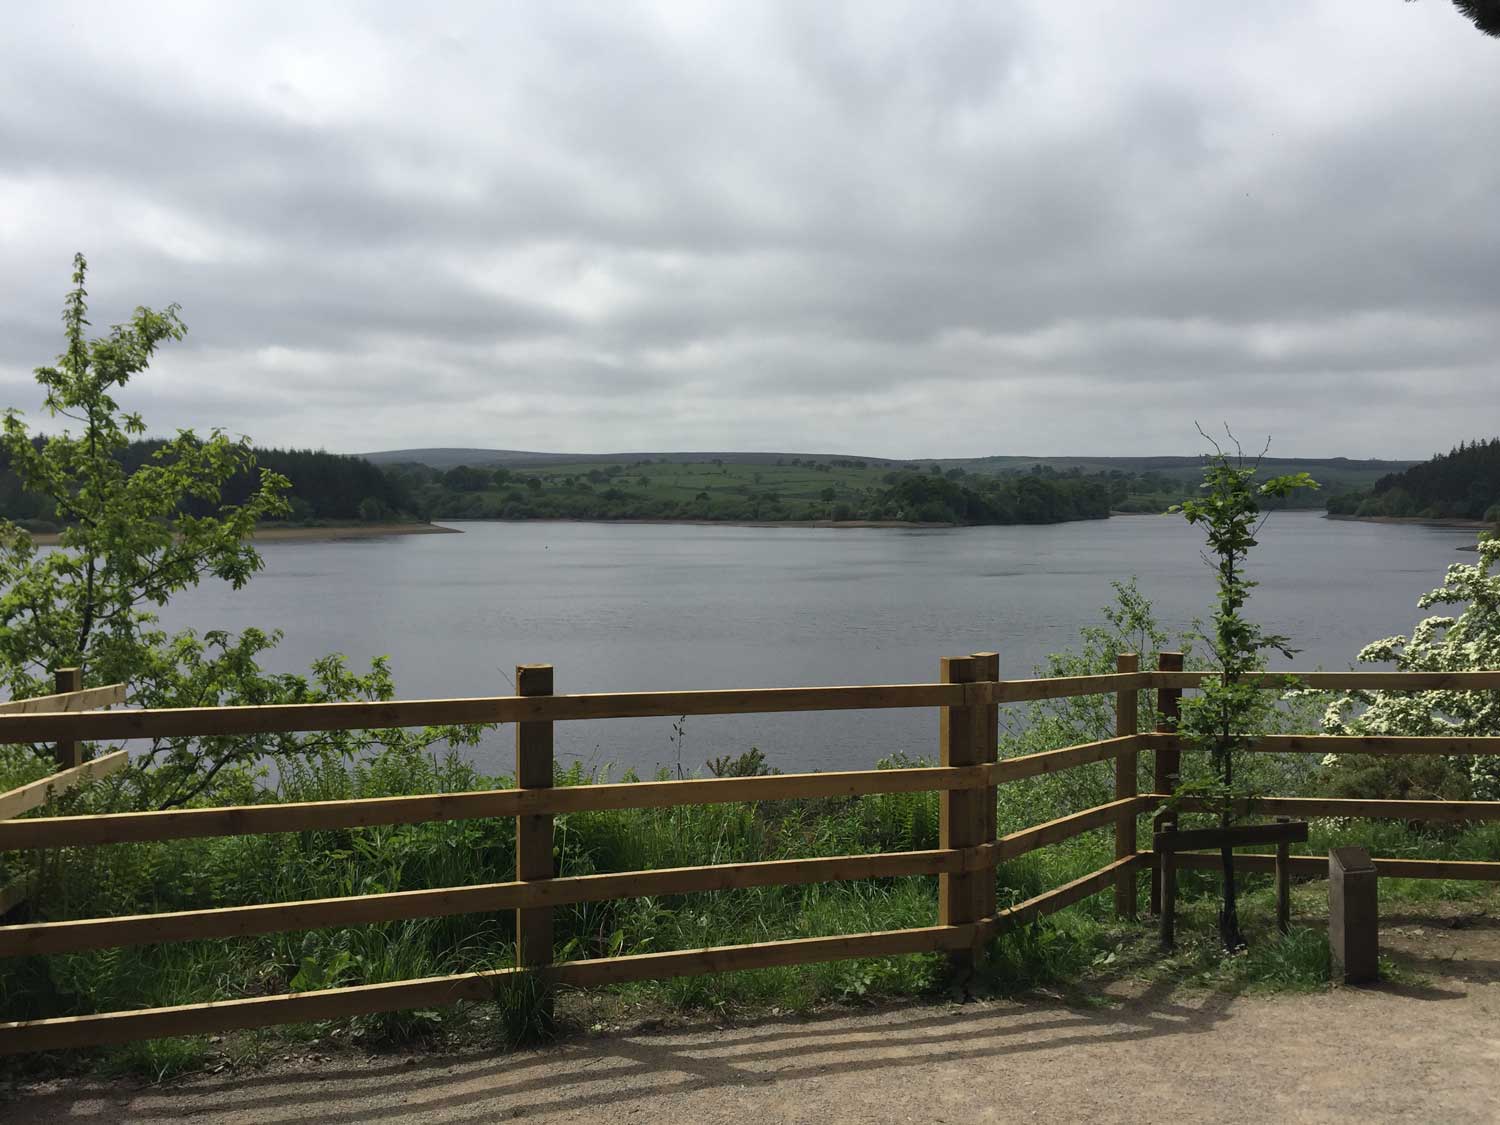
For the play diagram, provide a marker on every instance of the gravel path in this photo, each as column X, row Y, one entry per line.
column 1392, row 1053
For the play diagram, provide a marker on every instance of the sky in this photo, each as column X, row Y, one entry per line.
column 905, row 230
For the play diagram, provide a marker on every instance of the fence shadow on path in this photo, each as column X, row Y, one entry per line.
column 618, row 1071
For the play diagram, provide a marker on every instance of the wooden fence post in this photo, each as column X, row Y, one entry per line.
column 961, row 817
column 1166, row 765
column 1127, row 719
column 1353, row 915
column 68, row 754
column 534, row 832
column 988, row 668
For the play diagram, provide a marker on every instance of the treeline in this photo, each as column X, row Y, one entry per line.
column 337, row 488
column 1463, row 483
column 1030, row 498
column 325, row 487
column 630, row 492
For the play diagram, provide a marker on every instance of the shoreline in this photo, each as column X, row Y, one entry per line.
column 334, row 533
column 745, row 523
column 354, row 531
column 1417, row 521
column 330, row 534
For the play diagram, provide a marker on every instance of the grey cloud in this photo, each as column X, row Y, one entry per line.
column 659, row 225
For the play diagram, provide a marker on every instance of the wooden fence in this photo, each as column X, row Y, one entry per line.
column 72, row 769
column 968, row 697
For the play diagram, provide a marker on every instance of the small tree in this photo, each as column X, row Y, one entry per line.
column 1224, row 714
column 1126, row 624
column 130, row 541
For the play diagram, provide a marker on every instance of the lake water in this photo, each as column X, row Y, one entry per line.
column 629, row 607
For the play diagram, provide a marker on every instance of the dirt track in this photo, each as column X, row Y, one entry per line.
column 1415, row 1053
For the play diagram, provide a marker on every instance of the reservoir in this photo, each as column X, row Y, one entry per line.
column 640, row 607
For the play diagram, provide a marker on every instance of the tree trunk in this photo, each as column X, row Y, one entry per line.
column 1229, row 915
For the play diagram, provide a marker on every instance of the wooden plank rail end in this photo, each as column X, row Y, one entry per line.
column 1239, row 836
column 69, row 702
column 36, row 793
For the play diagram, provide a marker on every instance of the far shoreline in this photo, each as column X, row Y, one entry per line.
column 1418, row 521
column 747, row 523
column 331, row 533
column 273, row 534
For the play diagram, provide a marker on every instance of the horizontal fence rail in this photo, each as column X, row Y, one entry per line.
column 1066, row 827
column 33, row 795
column 310, row 914
column 85, row 699
column 303, row 816
column 337, row 1003
column 1413, row 809
column 1387, row 868
column 239, row 921
column 1338, row 681
column 366, row 812
column 1348, row 744
column 35, row 720
column 964, row 865
column 189, row 722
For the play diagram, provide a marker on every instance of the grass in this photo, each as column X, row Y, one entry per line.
column 1070, row 951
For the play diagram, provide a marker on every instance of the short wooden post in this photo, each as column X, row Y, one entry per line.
column 1166, row 765
column 1127, row 719
column 961, row 817
column 1284, row 882
column 68, row 754
column 988, row 668
column 1353, row 916
column 534, row 770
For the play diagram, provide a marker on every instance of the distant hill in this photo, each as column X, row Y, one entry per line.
column 448, row 458
column 1336, row 474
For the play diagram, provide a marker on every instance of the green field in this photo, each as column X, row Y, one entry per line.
column 782, row 487
column 811, row 488
column 796, row 489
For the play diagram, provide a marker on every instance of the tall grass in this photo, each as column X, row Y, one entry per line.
column 201, row 873
column 192, row 874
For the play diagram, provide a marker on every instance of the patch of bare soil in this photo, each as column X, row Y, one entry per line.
column 1416, row 1052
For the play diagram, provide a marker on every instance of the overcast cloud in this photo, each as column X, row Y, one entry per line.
column 890, row 229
